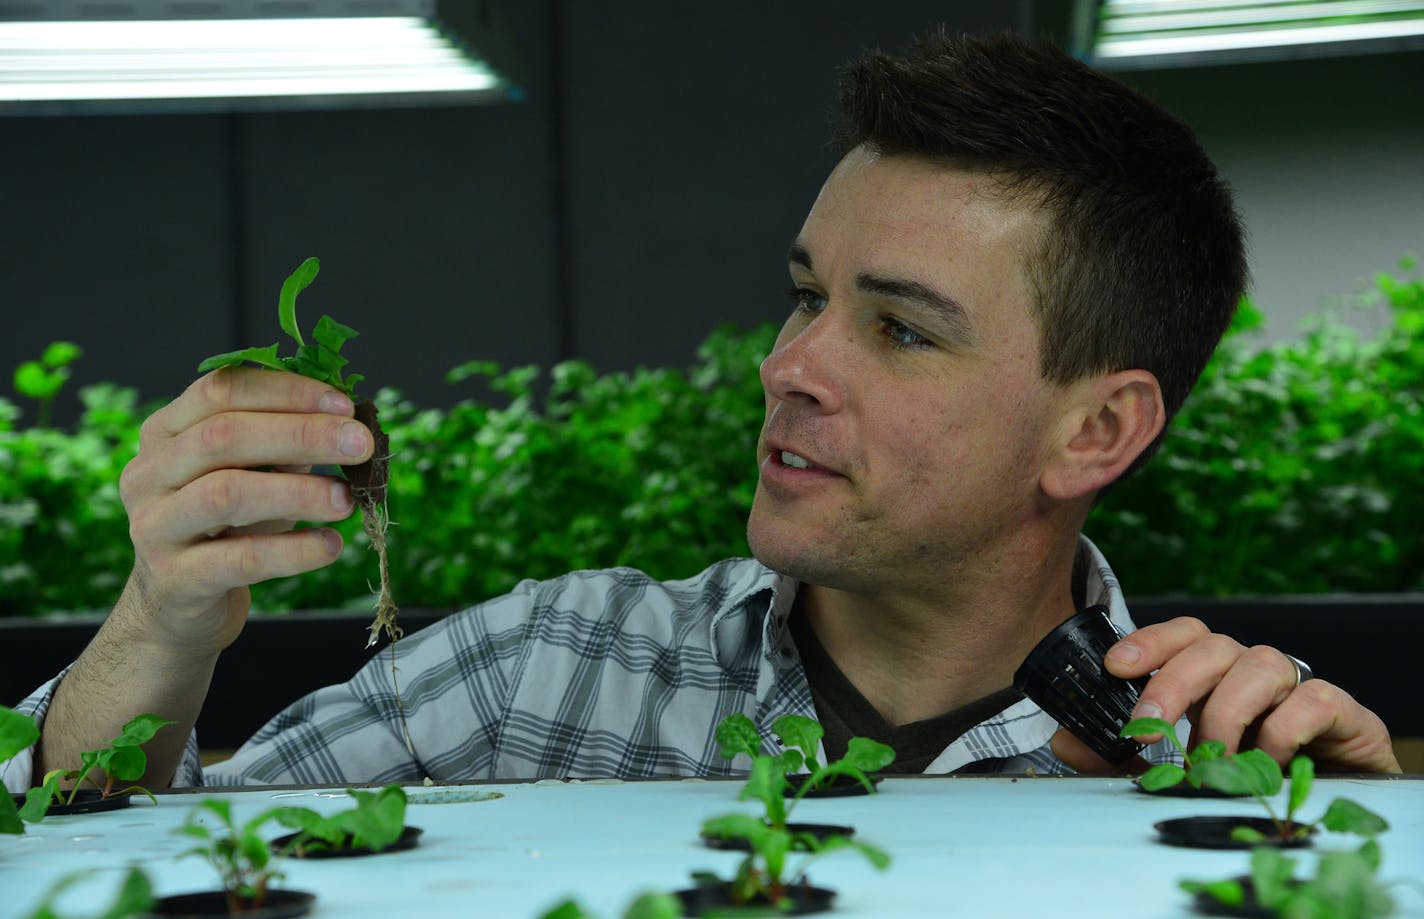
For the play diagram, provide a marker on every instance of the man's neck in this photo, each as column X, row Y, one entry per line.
column 918, row 656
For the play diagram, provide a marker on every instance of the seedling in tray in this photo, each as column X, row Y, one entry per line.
column 375, row 823
column 123, row 760
column 761, row 877
column 1344, row 887
column 1253, row 772
column 323, row 361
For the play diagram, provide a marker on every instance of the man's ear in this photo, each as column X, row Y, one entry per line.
column 1104, row 431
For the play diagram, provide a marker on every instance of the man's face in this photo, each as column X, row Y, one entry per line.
column 907, row 378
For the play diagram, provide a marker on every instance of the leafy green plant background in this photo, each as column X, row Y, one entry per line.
column 1293, row 468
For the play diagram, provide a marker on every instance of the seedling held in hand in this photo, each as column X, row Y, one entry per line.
column 122, row 761
column 323, row 361
column 1253, row 772
column 376, row 821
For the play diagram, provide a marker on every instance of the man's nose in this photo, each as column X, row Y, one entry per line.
column 808, row 365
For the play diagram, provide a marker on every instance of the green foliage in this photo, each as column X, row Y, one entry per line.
column 374, row 823
column 133, row 898
column 239, row 854
column 1344, row 886
column 17, row 732
column 644, row 906
column 64, row 536
column 123, row 760
column 1254, row 773
column 321, row 361
column 1292, row 468
column 42, row 380
column 761, row 877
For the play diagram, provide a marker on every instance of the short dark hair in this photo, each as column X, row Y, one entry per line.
column 1142, row 262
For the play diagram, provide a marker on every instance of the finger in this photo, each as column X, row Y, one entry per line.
column 1082, row 759
column 1259, row 680
column 1188, row 677
column 246, row 389
column 1322, row 720
column 1151, row 646
column 216, row 566
column 235, row 498
column 244, row 439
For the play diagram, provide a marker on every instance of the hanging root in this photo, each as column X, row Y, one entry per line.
column 375, row 521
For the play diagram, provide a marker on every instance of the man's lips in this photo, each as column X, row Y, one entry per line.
column 790, row 458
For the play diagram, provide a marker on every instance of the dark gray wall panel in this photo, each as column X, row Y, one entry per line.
column 113, row 235
column 697, row 140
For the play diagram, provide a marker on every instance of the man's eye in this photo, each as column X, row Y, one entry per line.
column 806, row 301
column 905, row 338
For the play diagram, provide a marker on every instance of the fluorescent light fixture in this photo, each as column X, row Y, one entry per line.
column 1135, row 34
column 220, row 62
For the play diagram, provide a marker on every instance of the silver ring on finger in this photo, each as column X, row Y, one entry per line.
column 1302, row 669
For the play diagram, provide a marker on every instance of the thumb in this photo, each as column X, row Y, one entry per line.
column 1082, row 759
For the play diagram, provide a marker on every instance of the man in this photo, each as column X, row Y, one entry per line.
column 1003, row 291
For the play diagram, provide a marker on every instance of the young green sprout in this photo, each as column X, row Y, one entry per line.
column 1255, row 773
column 375, row 822
column 239, row 854
column 17, row 732
column 123, row 760
column 762, row 875
column 1345, row 886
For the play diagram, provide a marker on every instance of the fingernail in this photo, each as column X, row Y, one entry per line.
column 353, row 438
column 340, row 496
column 1125, row 651
column 334, row 403
column 1147, row 710
column 333, row 541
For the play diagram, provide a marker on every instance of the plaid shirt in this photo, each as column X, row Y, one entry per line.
column 597, row 673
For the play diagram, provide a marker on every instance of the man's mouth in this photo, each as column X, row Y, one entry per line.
column 796, row 462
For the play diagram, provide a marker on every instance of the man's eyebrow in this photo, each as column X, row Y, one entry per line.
column 797, row 255
column 944, row 307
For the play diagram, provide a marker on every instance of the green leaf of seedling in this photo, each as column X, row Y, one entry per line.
column 1302, row 777
column 766, row 783
column 295, row 283
column 125, row 764
column 1345, row 886
column 1145, row 727
column 1208, row 749
column 1247, row 834
column 1271, row 874
column 17, row 732
column 654, row 906
column 39, row 799
column 140, row 730
column 331, row 335
column 790, row 761
column 135, row 896
column 34, row 381
column 254, row 848
column 1369, row 850
column 378, row 818
column 879, row 859
column 734, row 826
column 10, row 821
column 802, row 733
column 773, row 848
column 737, row 734
column 568, row 909
column 267, row 357
column 1163, row 775
column 1250, row 772
column 868, row 755
column 1346, row 816
column 1227, row 893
